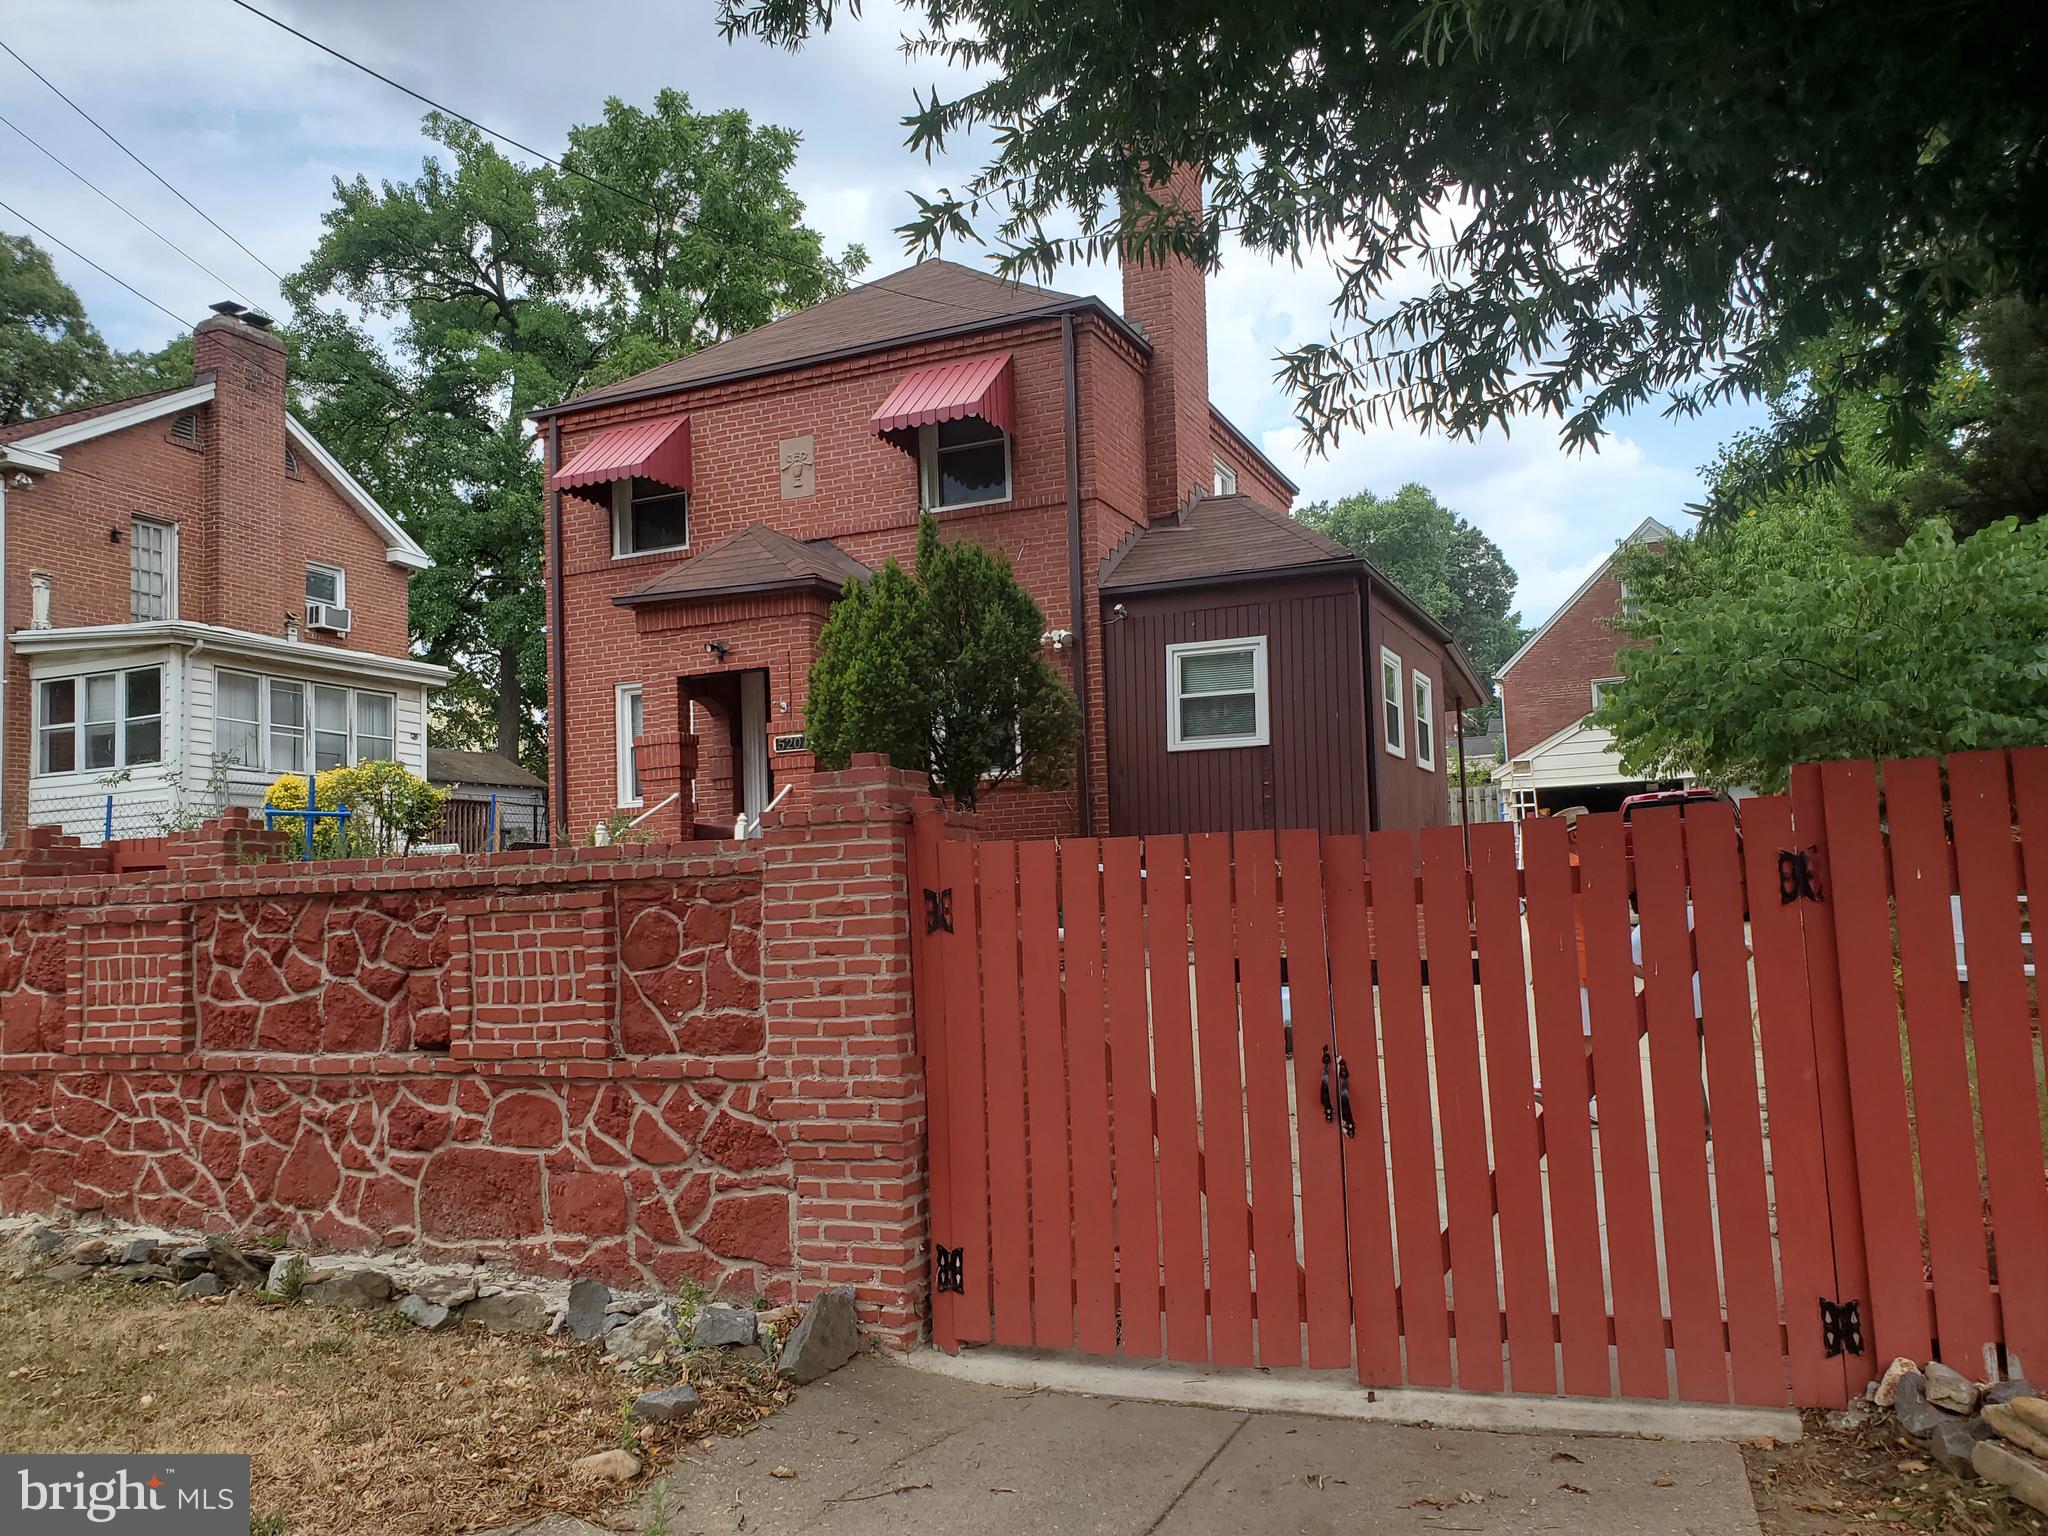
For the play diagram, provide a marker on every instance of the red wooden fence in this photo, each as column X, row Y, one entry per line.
column 1606, row 1112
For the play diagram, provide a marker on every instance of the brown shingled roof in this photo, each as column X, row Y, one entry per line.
column 1217, row 537
column 454, row 765
column 933, row 295
column 37, row 426
column 756, row 559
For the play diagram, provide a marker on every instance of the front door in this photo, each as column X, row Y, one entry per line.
column 755, row 776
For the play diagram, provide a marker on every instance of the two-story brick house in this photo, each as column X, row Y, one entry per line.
column 1555, row 758
column 1233, row 668
column 195, row 598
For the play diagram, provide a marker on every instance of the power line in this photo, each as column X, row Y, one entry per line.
column 183, row 323
column 166, row 239
column 445, row 110
column 181, row 197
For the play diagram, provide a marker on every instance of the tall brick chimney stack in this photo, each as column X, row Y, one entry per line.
column 1170, row 304
column 245, row 475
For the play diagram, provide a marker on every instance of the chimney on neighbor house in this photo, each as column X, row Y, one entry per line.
column 1169, row 303
column 242, row 524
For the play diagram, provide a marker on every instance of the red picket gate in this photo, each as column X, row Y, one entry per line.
column 1615, row 1111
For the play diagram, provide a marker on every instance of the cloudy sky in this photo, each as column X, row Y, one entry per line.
column 253, row 125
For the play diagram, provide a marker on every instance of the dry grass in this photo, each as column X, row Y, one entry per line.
column 355, row 1422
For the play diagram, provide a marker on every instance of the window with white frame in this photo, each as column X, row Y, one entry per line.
column 101, row 722
column 326, row 584
column 631, row 722
column 1600, row 687
column 648, row 517
column 152, row 570
column 270, row 724
column 1393, row 724
column 1424, row 690
column 1216, row 694
column 964, row 463
column 1226, row 479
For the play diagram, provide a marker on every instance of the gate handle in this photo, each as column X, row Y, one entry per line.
column 1344, row 1098
column 1329, row 1110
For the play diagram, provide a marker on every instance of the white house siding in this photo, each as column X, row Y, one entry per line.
column 143, row 798
column 247, row 786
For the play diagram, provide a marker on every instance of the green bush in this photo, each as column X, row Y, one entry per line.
column 390, row 807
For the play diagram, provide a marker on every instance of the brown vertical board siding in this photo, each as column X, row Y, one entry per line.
column 1312, row 773
column 1409, row 796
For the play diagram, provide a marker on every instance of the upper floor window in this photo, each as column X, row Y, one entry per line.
column 101, row 722
column 327, row 584
column 152, row 570
column 1226, row 479
column 965, row 463
column 1216, row 694
column 1600, row 686
column 1424, row 688
column 648, row 516
column 1393, row 727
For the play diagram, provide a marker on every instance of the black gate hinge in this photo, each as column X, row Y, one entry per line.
column 938, row 910
column 953, row 1270
column 1798, row 880
column 1841, row 1327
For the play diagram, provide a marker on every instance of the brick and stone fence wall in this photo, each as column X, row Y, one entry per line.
column 694, row 1062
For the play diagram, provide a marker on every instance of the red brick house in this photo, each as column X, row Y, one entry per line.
column 1555, row 759
column 195, row 597
column 703, row 517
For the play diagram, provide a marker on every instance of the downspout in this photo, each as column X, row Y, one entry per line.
column 1375, row 715
column 1076, row 594
column 558, row 713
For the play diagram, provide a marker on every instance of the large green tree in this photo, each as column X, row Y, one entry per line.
column 505, row 287
column 943, row 670
column 51, row 357
column 1609, row 202
column 1454, row 571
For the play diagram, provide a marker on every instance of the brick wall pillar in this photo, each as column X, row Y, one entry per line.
column 836, row 908
column 666, row 760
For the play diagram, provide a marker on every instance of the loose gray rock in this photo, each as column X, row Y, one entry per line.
column 64, row 1274
column 2021, row 1476
column 428, row 1314
column 648, row 1334
column 666, row 1404
column 141, row 1251
column 719, row 1325
column 347, row 1287
column 47, row 1240
column 1953, row 1443
column 509, row 1312
column 584, row 1318
column 287, row 1274
column 2018, row 1427
column 188, row 1263
column 1909, row 1403
column 203, row 1285
column 446, row 1290
column 234, row 1266
column 825, row 1340
column 140, row 1274
column 1949, row 1388
column 2007, row 1391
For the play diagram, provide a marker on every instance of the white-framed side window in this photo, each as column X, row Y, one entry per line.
column 276, row 725
column 1393, row 712
column 631, row 720
column 326, row 583
column 1424, row 691
column 1226, row 479
column 1216, row 694
column 100, row 722
column 964, row 463
column 152, row 570
column 1600, row 685
column 648, row 518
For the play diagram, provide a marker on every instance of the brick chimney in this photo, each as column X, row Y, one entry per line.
column 244, row 513
column 1170, row 304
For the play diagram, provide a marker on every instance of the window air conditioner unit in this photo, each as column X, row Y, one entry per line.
column 329, row 616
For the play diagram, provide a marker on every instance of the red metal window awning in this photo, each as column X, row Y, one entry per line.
column 975, row 386
column 647, row 450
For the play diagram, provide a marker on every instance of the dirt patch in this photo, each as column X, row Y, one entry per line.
column 1872, row 1478
column 356, row 1421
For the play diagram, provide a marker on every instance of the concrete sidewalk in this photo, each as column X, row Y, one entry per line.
column 878, row 1449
